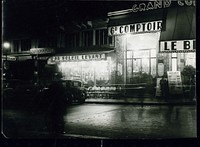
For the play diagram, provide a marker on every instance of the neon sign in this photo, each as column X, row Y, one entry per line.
column 159, row 4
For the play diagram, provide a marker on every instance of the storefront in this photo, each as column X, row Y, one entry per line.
column 92, row 68
column 151, row 40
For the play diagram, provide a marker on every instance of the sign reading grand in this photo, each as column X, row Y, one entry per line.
column 55, row 59
column 39, row 51
column 177, row 46
column 135, row 28
column 159, row 4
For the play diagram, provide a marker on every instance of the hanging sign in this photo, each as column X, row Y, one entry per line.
column 175, row 82
column 177, row 46
column 135, row 28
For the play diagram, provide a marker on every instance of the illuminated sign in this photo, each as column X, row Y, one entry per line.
column 178, row 46
column 39, row 51
column 158, row 4
column 135, row 28
column 55, row 59
column 153, row 5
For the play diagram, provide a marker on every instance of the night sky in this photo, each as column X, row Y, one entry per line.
column 34, row 16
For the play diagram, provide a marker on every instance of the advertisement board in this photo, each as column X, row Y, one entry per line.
column 175, row 82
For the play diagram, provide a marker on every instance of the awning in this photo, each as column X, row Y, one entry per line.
column 180, row 24
column 79, row 56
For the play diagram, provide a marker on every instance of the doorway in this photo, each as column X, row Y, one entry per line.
column 141, row 57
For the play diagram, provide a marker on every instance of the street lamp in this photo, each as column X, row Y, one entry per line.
column 6, row 46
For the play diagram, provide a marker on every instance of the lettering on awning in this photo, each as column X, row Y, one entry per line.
column 55, row 59
column 177, row 46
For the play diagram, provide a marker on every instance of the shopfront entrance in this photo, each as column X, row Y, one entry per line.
column 141, row 57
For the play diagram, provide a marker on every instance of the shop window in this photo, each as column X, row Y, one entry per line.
column 145, row 65
column 153, row 67
column 190, row 59
column 90, row 72
column 129, row 54
column 153, row 53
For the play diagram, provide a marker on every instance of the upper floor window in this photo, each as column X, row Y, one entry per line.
column 87, row 38
column 25, row 45
column 102, row 37
column 16, row 44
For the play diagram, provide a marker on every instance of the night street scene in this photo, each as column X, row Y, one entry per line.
column 102, row 70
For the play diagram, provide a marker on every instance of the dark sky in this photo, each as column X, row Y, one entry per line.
column 30, row 16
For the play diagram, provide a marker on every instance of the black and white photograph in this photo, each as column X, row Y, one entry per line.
column 99, row 69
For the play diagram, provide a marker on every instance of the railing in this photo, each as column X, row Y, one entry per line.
column 114, row 90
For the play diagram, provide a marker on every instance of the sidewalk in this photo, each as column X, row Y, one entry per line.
column 142, row 101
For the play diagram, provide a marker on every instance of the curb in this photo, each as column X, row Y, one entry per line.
column 142, row 103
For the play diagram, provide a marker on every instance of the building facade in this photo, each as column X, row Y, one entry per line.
column 130, row 50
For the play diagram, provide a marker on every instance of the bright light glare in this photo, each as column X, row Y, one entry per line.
column 6, row 45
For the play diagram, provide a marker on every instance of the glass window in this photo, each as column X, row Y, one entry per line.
column 136, row 65
column 129, row 54
column 190, row 59
column 153, row 52
column 145, row 65
column 153, row 67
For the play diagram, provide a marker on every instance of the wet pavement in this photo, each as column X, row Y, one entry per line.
column 108, row 121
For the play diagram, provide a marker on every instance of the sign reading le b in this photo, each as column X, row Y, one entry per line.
column 178, row 46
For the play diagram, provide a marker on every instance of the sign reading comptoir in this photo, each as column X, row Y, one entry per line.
column 135, row 28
